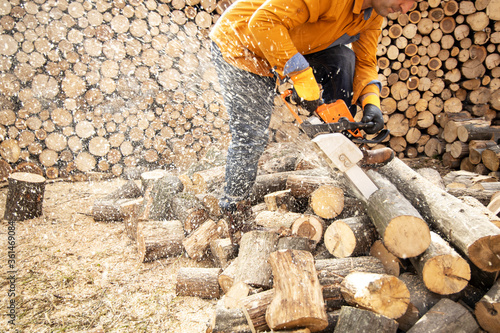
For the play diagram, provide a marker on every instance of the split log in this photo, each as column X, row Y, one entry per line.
column 327, row 201
column 403, row 231
column 159, row 239
column 226, row 278
column 5, row 170
column 442, row 269
column 235, row 294
column 274, row 220
column 352, row 319
column 223, row 251
column 350, row 237
column 487, row 310
column 474, row 235
column 253, row 266
column 198, row 282
column 282, row 200
column 298, row 301
column 446, row 316
column 380, row 293
column 209, row 180
column 24, row 197
column 130, row 212
column 255, row 306
column 198, row 243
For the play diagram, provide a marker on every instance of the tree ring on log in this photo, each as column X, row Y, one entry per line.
column 405, row 232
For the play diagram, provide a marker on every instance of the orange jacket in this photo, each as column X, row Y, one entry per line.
column 257, row 35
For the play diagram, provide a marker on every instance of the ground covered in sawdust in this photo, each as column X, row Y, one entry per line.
column 77, row 275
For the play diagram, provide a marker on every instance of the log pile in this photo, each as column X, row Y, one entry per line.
column 439, row 66
column 393, row 263
column 107, row 86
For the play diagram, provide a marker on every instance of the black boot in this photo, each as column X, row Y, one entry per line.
column 239, row 217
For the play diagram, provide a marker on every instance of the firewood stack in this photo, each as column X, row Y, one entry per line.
column 439, row 65
column 320, row 256
column 105, row 85
column 108, row 85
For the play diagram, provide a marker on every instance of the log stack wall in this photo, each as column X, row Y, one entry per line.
column 109, row 85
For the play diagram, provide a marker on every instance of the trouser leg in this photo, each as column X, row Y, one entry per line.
column 249, row 101
column 334, row 70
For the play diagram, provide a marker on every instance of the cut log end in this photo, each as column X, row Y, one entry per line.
column 446, row 274
column 407, row 236
column 340, row 241
column 485, row 253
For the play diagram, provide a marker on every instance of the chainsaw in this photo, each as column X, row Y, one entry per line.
column 335, row 133
column 335, row 118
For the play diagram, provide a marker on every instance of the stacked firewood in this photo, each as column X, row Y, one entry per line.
column 106, row 85
column 110, row 85
column 320, row 257
column 439, row 65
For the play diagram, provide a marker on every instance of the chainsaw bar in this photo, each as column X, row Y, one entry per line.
column 343, row 125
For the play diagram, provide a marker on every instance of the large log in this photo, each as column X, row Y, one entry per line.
column 403, row 231
column 298, row 301
column 470, row 232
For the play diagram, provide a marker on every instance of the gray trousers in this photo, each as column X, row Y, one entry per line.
column 249, row 101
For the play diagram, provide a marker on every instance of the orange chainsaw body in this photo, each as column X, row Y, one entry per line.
column 331, row 113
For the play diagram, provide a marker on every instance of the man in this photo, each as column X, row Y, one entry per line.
column 304, row 40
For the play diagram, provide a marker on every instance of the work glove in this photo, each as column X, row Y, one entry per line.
column 306, row 90
column 373, row 114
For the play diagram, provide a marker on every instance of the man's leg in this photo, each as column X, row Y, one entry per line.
column 249, row 101
column 334, row 70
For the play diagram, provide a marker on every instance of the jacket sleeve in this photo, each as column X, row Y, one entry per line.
column 270, row 25
column 365, row 48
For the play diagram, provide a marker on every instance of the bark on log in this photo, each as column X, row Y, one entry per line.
column 390, row 261
column 380, row 293
column 474, row 235
column 24, row 197
column 130, row 212
column 350, row 237
column 298, row 301
column 403, row 231
column 447, row 317
column 255, row 306
column 352, row 319
column 253, row 266
column 223, row 251
column 198, row 243
column 199, row 282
